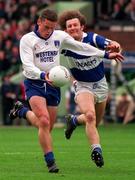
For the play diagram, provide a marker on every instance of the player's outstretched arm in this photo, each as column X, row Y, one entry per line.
column 116, row 56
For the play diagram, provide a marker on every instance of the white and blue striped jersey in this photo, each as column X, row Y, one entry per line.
column 84, row 68
column 39, row 55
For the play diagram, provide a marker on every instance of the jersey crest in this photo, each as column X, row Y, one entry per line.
column 57, row 43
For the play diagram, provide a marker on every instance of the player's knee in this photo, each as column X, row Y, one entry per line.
column 44, row 122
column 90, row 116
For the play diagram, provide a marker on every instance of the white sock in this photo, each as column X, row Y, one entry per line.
column 93, row 146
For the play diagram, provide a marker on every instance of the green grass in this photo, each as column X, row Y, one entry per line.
column 21, row 157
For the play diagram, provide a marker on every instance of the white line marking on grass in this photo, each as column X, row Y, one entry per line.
column 38, row 152
column 19, row 153
column 123, row 152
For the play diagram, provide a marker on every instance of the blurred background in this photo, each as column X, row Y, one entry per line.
column 114, row 19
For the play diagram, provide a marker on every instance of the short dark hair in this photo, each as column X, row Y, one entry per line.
column 49, row 14
column 67, row 15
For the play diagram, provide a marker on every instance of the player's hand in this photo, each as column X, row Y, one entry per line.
column 48, row 80
column 113, row 47
column 116, row 56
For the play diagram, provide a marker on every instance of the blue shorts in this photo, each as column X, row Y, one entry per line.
column 43, row 89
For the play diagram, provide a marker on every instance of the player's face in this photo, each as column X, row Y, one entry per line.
column 46, row 27
column 74, row 28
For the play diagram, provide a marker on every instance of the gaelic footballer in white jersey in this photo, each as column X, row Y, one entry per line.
column 39, row 55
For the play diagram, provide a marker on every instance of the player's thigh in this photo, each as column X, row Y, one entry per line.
column 39, row 106
column 53, row 115
column 100, row 109
column 85, row 101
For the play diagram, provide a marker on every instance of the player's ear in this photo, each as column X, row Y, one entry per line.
column 39, row 21
column 82, row 27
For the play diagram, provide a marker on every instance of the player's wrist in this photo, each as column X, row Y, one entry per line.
column 42, row 75
column 106, row 55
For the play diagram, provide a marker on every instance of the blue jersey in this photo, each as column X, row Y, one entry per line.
column 84, row 68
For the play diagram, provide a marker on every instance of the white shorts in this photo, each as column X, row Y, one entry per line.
column 99, row 89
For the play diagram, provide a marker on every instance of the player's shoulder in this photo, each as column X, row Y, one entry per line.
column 89, row 34
column 60, row 33
column 28, row 36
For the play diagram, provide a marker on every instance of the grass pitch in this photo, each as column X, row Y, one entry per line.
column 21, row 157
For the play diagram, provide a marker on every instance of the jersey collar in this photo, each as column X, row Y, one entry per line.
column 83, row 36
column 38, row 34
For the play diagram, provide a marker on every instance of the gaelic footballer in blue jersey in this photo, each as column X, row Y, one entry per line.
column 91, row 90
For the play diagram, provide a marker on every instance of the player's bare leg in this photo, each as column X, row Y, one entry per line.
column 53, row 115
column 86, row 104
column 100, row 109
column 42, row 123
column 39, row 107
